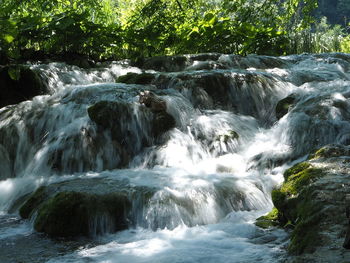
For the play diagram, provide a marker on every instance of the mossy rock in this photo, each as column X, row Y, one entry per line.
column 135, row 78
column 279, row 198
column 305, row 235
column 19, row 83
column 330, row 151
column 70, row 214
column 295, row 169
column 33, row 202
column 284, row 105
column 300, row 179
column 296, row 208
column 269, row 220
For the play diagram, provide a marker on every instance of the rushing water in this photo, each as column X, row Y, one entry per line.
column 197, row 190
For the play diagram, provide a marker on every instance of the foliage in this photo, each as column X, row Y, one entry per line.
column 134, row 29
column 58, row 26
column 320, row 38
column 345, row 44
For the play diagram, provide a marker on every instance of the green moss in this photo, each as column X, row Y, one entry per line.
column 296, row 169
column 296, row 208
column 135, row 78
column 66, row 214
column 269, row 220
column 305, row 236
column 71, row 213
column 33, row 202
column 330, row 151
column 278, row 198
column 300, row 179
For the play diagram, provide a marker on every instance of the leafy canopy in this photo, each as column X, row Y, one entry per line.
column 137, row 28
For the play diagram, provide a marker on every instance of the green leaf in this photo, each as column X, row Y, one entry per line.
column 8, row 38
column 208, row 17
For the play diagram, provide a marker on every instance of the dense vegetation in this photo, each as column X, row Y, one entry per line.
column 102, row 29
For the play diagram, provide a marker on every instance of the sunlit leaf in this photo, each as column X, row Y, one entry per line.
column 8, row 38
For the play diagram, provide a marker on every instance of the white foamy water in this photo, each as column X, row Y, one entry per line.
column 197, row 189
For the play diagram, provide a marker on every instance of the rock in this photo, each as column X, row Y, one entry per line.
column 284, row 105
column 33, row 202
column 70, row 214
column 311, row 202
column 163, row 63
column 128, row 130
column 80, row 207
column 135, row 78
column 19, row 83
column 132, row 126
column 162, row 122
column 152, row 101
column 329, row 151
column 108, row 113
column 269, row 220
column 346, row 243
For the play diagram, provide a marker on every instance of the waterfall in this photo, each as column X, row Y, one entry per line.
column 201, row 180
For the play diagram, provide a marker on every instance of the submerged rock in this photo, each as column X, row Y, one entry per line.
column 19, row 83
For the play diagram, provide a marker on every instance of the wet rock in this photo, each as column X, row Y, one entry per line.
column 78, row 208
column 135, row 78
column 230, row 90
column 163, row 63
column 132, row 126
column 284, row 105
column 269, row 220
column 129, row 125
column 162, row 122
column 311, row 202
column 330, row 151
column 70, row 214
column 33, row 202
column 19, row 83
column 346, row 243
column 152, row 101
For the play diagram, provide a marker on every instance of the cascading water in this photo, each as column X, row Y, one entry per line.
column 196, row 188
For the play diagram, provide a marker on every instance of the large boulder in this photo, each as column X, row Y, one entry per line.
column 19, row 83
column 130, row 123
column 78, row 207
column 311, row 202
column 74, row 214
